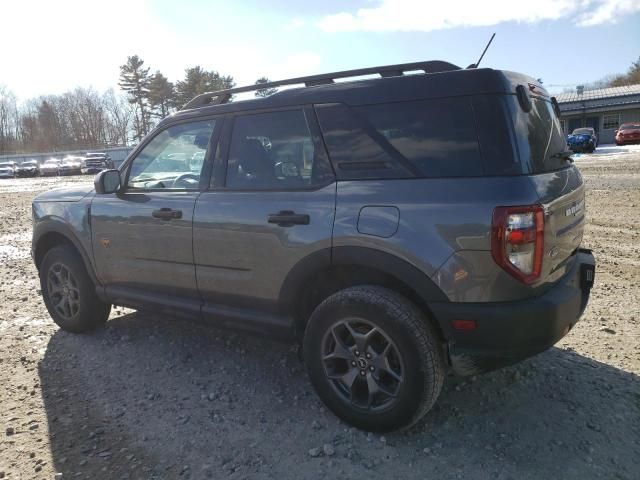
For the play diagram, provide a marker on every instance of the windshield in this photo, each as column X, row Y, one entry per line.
column 630, row 126
column 579, row 131
column 5, row 165
column 541, row 144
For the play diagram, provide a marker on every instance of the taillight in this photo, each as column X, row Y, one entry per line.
column 517, row 240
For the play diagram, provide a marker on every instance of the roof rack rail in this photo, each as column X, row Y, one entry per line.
column 223, row 96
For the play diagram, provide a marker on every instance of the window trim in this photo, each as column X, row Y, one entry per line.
column 125, row 167
column 604, row 117
column 219, row 179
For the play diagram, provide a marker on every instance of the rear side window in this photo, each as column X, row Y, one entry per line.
column 354, row 153
column 438, row 136
column 427, row 138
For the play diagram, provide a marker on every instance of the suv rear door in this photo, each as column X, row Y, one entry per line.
column 542, row 149
column 142, row 235
column 271, row 204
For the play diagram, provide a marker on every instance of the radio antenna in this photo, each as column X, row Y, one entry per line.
column 475, row 65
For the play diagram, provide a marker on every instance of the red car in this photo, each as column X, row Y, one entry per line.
column 628, row 133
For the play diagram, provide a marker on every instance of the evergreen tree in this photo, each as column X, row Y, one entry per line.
column 161, row 95
column 134, row 79
column 198, row 80
column 264, row 92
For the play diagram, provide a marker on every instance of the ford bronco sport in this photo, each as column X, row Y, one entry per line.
column 396, row 227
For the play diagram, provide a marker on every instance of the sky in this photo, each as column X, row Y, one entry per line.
column 49, row 47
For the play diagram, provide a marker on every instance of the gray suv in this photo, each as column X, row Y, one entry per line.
column 396, row 227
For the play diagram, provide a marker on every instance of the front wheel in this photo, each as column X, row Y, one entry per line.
column 68, row 292
column 373, row 358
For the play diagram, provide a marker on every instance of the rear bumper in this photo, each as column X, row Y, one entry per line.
column 507, row 332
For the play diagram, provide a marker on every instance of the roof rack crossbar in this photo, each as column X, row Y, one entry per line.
column 223, row 96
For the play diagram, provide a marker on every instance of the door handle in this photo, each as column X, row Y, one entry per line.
column 288, row 218
column 167, row 214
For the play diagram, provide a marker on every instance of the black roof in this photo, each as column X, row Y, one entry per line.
column 373, row 90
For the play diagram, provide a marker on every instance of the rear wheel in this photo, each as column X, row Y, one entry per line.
column 68, row 292
column 373, row 358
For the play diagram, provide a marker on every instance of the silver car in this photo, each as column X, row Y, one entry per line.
column 8, row 169
column 50, row 167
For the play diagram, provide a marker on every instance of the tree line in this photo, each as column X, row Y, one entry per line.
column 87, row 119
column 631, row 77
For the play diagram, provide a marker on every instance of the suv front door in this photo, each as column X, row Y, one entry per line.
column 271, row 204
column 142, row 235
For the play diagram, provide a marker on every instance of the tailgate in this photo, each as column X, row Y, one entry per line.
column 562, row 195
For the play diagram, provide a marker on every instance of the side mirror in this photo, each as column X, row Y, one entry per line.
column 107, row 181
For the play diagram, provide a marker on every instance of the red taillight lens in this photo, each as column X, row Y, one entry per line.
column 517, row 240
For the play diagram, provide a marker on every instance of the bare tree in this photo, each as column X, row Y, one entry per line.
column 8, row 121
column 119, row 115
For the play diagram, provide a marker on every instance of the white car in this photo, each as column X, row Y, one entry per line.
column 50, row 167
column 70, row 166
column 7, row 169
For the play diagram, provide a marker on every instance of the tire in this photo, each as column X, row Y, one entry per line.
column 409, row 375
column 63, row 274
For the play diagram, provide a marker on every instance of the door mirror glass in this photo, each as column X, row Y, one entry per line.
column 107, row 181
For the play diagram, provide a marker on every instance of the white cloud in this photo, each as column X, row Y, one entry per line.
column 50, row 47
column 295, row 24
column 422, row 15
column 607, row 11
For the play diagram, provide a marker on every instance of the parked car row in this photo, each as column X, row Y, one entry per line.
column 91, row 163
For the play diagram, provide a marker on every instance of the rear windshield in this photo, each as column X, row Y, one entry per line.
column 539, row 136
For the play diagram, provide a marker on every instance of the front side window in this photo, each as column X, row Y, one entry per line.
column 272, row 150
column 173, row 158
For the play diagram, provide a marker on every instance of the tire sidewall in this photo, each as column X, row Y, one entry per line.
column 92, row 311
column 400, row 412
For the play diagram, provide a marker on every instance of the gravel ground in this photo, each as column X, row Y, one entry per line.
column 154, row 397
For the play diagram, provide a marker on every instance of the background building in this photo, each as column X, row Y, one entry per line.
column 604, row 109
